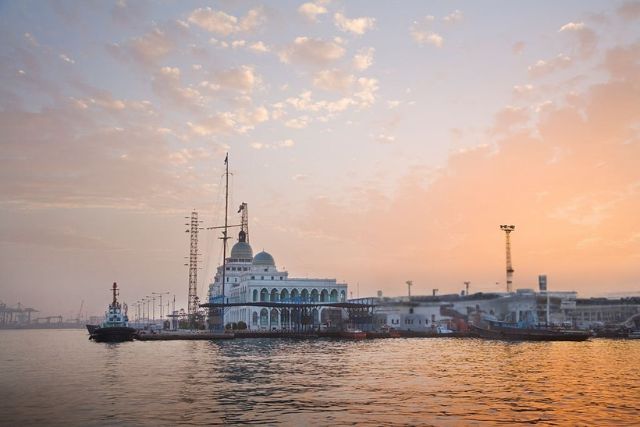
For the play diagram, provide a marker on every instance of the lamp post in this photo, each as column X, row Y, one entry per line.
column 160, row 297
column 148, row 308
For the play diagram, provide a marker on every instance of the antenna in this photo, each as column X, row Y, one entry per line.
column 508, row 229
column 409, row 285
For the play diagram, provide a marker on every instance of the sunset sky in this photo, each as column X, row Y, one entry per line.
column 374, row 142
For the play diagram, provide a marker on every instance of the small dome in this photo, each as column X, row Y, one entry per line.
column 263, row 258
column 241, row 250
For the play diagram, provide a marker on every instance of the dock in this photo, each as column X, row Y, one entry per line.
column 186, row 336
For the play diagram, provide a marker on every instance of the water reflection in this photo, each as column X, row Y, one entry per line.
column 58, row 378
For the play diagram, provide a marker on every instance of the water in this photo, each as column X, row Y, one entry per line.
column 61, row 378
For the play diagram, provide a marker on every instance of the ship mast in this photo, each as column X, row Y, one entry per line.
column 225, row 237
column 115, row 295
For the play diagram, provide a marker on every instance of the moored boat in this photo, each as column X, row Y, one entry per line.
column 115, row 327
column 353, row 334
column 493, row 329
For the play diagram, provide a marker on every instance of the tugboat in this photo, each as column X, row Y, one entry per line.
column 115, row 327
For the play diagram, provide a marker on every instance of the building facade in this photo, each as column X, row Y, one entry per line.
column 254, row 279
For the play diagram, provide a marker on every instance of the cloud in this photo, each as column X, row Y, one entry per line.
column 509, row 118
column 298, row 122
column 239, row 121
column 572, row 26
column 311, row 11
column 423, row 37
column 623, row 62
column 31, row 39
column 385, row 139
column 393, row 104
column 629, row 10
column 126, row 13
column 150, row 48
column 364, row 95
column 312, row 51
column 586, row 37
column 259, row 47
column 336, row 80
column 522, row 90
column 367, row 92
column 65, row 58
column 219, row 22
column 217, row 124
column 542, row 67
column 167, row 84
column 82, row 163
column 518, row 47
column 363, row 59
column 243, row 79
column 453, row 17
column 569, row 175
column 285, row 143
column 356, row 26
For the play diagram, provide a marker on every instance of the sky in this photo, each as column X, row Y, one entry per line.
column 374, row 142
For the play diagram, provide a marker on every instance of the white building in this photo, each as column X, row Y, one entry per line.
column 424, row 313
column 250, row 279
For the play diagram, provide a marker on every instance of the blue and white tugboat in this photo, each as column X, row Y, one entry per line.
column 115, row 327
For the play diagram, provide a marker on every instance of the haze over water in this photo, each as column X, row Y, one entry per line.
column 61, row 378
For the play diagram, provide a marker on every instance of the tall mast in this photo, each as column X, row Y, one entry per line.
column 226, row 226
column 115, row 294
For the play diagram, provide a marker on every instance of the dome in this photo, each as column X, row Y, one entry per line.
column 263, row 258
column 241, row 250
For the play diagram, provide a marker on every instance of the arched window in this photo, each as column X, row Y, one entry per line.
column 255, row 295
column 274, row 318
column 324, row 295
column 264, row 317
column 284, row 295
column 343, row 296
column 274, row 295
column 304, row 295
column 333, row 297
column 314, row 295
column 264, row 295
column 254, row 319
column 284, row 317
column 294, row 294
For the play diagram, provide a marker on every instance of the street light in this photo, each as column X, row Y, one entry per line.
column 160, row 296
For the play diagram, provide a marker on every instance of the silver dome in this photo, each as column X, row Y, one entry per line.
column 263, row 258
column 241, row 250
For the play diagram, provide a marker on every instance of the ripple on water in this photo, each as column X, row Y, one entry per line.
column 60, row 378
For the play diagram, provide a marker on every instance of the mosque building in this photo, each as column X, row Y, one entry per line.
column 252, row 279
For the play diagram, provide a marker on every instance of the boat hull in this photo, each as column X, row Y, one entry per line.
column 353, row 335
column 113, row 334
column 520, row 334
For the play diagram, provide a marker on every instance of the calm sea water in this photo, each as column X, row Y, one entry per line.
column 61, row 378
